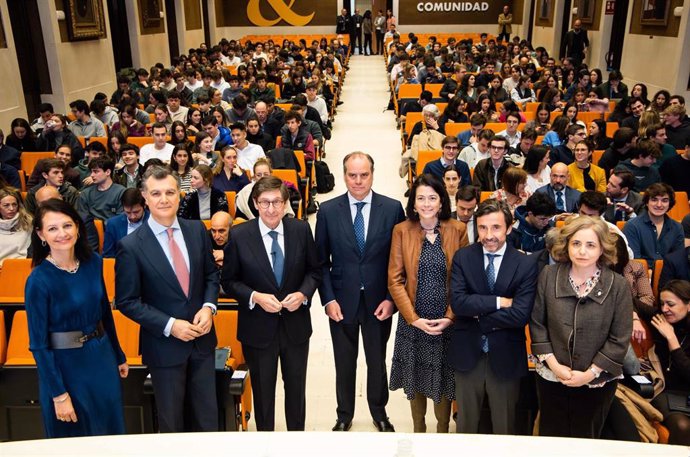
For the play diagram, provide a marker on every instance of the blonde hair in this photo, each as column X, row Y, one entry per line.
column 559, row 250
column 648, row 118
column 24, row 219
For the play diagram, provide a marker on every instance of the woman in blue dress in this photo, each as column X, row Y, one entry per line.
column 71, row 329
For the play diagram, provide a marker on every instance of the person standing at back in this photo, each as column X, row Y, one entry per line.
column 353, row 237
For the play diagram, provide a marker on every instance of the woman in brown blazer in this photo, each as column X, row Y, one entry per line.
column 418, row 280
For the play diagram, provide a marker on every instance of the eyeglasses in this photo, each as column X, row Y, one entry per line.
column 497, row 148
column 264, row 204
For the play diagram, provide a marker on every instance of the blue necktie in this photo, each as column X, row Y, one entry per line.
column 560, row 204
column 359, row 227
column 491, row 279
column 277, row 256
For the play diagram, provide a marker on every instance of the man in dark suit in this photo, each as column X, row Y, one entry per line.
column 133, row 216
column 676, row 266
column 566, row 198
column 167, row 282
column 272, row 269
column 353, row 235
column 624, row 203
column 492, row 305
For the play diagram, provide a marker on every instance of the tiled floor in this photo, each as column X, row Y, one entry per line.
column 361, row 125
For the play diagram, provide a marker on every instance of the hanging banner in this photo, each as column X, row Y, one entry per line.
column 269, row 13
column 421, row 12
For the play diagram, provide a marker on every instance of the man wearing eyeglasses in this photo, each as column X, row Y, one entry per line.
column 451, row 148
column 271, row 267
column 488, row 172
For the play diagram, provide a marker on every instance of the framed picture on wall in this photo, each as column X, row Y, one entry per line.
column 84, row 19
column 585, row 11
column 150, row 13
column 544, row 11
column 655, row 12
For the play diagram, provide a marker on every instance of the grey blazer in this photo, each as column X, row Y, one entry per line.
column 593, row 329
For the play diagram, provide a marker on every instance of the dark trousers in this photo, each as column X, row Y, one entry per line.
column 345, row 338
column 192, row 384
column 357, row 36
column 573, row 412
column 503, row 395
column 379, row 41
column 263, row 372
column 504, row 36
column 367, row 44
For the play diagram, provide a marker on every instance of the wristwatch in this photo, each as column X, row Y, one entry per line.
column 596, row 373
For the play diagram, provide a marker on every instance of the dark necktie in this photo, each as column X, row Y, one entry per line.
column 491, row 279
column 277, row 257
column 359, row 227
column 560, row 204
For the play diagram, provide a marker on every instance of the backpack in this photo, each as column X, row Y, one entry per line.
column 325, row 181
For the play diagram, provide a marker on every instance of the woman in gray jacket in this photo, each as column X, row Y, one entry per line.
column 580, row 329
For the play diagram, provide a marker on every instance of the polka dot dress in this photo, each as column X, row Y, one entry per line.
column 419, row 359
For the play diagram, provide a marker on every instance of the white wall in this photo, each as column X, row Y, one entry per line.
column 665, row 62
column 78, row 69
column 12, row 103
column 146, row 49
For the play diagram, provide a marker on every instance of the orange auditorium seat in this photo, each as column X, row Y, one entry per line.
column 18, row 352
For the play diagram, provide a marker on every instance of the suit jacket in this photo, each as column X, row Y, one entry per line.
column 403, row 267
column 189, row 205
column 247, row 268
column 115, row 230
column 147, row 291
column 572, row 197
column 344, row 270
column 676, row 266
column 476, row 314
column 634, row 200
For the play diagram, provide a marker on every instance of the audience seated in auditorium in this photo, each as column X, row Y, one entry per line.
column 9, row 156
column 221, row 223
column 53, row 175
column 677, row 125
column 15, row 226
column 653, row 234
column 159, row 149
column 134, row 214
column 247, row 153
column 624, row 202
column 676, row 170
column 103, row 198
column 565, row 151
column 532, row 221
column 449, row 156
column 93, row 151
column 623, row 141
column 566, row 198
column 639, row 163
column 584, row 175
column 204, row 201
column 85, row 125
column 488, row 172
column 228, row 176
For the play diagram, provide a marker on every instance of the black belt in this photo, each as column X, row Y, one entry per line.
column 75, row 339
